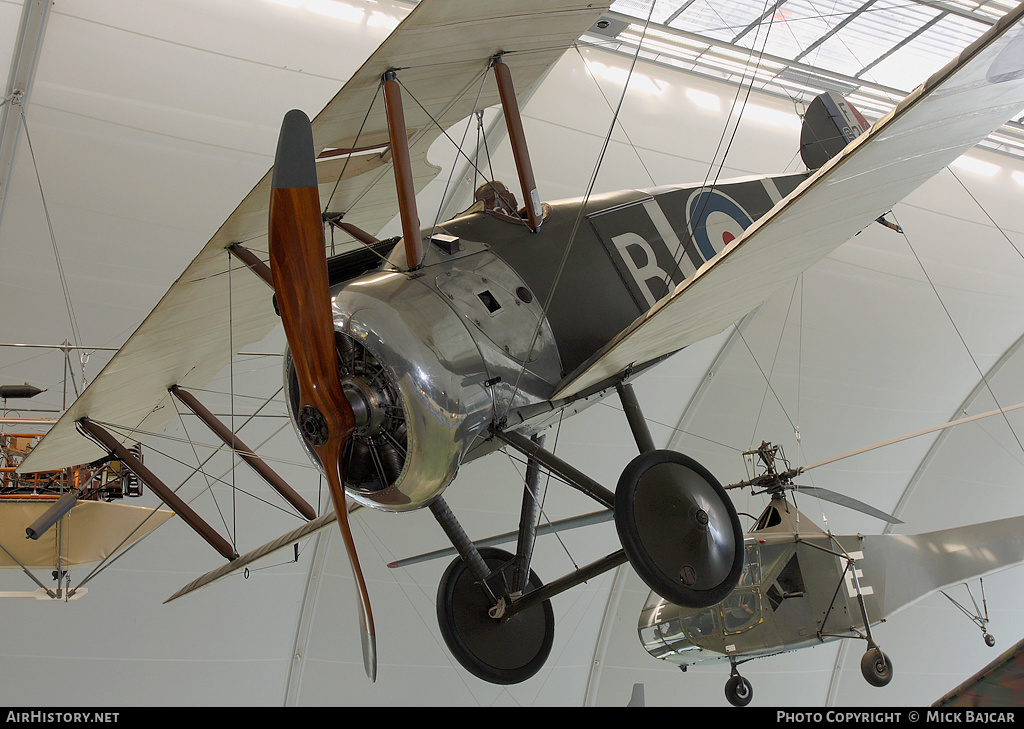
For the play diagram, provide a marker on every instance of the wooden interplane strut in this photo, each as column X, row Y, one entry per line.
column 517, row 137
column 401, row 160
column 168, row 496
column 231, row 440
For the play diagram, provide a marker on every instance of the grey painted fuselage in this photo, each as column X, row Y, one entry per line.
column 800, row 586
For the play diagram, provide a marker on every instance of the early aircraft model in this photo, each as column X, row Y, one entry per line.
column 409, row 357
column 802, row 586
column 56, row 520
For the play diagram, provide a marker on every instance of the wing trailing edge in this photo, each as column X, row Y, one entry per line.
column 947, row 115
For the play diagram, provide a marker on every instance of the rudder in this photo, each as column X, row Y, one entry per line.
column 830, row 123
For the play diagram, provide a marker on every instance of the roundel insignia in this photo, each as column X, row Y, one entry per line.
column 715, row 220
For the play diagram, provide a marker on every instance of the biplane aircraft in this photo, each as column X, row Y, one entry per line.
column 411, row 356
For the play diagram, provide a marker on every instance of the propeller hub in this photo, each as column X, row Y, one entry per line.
column 313, row 426
column 368, row 403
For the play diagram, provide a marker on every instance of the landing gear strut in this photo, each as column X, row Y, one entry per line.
column 490, row 646
column 738, row 690
column 876, row 667
column 678, row 527
column 980, row 615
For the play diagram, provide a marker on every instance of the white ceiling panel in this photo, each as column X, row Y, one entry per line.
column 149, row 122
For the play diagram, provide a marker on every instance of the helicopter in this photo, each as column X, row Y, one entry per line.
column 411, row 356
column 802, row 586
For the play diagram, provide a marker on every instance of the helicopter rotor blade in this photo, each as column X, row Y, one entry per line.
column 299, row 267
column 847, row 501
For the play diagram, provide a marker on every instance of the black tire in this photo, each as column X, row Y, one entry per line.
column 498, row 651
column 738, row 691
column 876, row 667
column 679, row 528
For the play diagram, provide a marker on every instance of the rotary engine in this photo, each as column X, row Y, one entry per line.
column 426, row 360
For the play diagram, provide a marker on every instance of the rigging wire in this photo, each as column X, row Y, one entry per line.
column 579, row 219
column 698, row 215
column 465, row 133
column 355, row 145
column 541, row 515
column 771, row 371
column 209, row 485
column 675, row 430
column 458, row 147
column 231, row 389
column 985, row 212
column 959, row 334
column 622, row 128
column 65, row 288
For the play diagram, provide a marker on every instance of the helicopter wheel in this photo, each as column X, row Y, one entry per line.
column 876, row 667
column 738, row 691
column 678, row 528
column 501, row 651
column 989, row 640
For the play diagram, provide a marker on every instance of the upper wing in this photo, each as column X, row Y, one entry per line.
column 441, row 51
column 950, row 113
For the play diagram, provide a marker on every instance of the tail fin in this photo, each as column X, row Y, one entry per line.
column 830, row 123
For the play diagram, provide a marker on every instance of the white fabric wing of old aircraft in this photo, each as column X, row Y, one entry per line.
column 182, row 340
column 442, row 49
column 441, row 52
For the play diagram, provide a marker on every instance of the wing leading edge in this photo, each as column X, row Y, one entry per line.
column 947, row 115
column 441, row 51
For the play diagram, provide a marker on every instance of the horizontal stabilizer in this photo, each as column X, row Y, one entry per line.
column 941, row 558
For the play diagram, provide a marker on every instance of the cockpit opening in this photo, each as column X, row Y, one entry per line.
column 496, row 198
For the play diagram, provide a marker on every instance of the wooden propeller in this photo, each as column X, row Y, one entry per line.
column 298, row 265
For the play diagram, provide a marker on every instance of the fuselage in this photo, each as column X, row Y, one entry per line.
column 802, row 587
column 498, row 315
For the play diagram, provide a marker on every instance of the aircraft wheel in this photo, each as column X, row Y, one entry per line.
column 876, row 667
column 989, row 640
column 499, row 651
column 678, row 528
column 738, row 691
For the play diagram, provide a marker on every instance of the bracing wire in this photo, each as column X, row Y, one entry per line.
column 716, row 164
column 771, row 371
column 579, row 217
column 65, row 288
column 981, row 375
column 629, row 141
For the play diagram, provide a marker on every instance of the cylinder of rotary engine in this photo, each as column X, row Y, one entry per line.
column 416, row 382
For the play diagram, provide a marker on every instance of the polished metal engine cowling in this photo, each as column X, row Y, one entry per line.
column 428, row 360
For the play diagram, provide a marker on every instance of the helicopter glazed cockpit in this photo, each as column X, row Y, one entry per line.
column 771, row 577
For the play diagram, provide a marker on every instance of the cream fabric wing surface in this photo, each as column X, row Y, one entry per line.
column 441, row 51
column 946, row 116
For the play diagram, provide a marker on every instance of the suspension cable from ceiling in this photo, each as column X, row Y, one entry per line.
column 742, row 88
column 949, row 316
column 579, row 218
column 66, row 290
